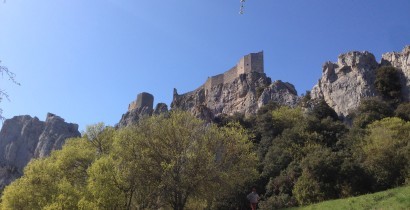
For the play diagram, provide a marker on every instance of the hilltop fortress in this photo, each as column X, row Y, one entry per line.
column 249, row 63
column 242, row 89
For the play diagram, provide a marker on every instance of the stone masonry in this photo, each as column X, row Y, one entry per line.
column 252, row 62
column 143, row 100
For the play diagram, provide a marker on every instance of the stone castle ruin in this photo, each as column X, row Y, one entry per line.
column 242, row 89
column 143, row 100
column 252, row 62
column 141, row 107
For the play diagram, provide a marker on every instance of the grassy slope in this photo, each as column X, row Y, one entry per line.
column 398, row 198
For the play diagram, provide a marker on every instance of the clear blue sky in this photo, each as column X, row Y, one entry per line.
column 86, row 60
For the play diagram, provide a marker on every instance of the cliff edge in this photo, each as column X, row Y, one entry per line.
column 345, row 83
column 242, row 89
column 24, row 137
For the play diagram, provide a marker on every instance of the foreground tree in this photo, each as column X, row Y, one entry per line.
column 173, row 160
column 386, row 152
column 56, row 182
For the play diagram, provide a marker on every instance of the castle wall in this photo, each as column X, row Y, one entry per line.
column 257, row 62
column 214, row 80
column 231, row 75
column 249, row 63
column 240, row 66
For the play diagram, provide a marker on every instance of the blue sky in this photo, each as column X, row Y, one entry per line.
column 86, row 60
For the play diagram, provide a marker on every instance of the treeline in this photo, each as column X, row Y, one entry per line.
column 172, row 161
column 307, row 155
column 310, row 156
column 293, row 156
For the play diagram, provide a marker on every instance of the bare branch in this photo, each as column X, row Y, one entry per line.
column 3, row 94
column 5, row 71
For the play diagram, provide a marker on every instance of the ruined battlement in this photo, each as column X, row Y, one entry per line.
column 249, row 63
column 143, row 100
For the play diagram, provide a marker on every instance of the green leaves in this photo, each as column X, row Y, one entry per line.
column 164, row 161
column 386, row 151
column 388, row 84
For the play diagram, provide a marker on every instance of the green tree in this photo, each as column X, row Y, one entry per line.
column 319, row 108
column 100, row 136
column 386, row 151
column 388, row 84
column 56, row 182
column 370, row 110
column 318, row 181
column 174, row 160
column 403, row 111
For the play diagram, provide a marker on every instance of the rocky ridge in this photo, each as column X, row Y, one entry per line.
column 23, row 138
column 246, row 94
column 345, row 83
column 244, row 89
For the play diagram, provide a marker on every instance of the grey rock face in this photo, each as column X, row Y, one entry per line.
column 23, row 138
column 280, row 92
column 242, row 89
column 245, row 94
column 133, row 116
column 345, row 83
column 55, row 132
column 400, row 60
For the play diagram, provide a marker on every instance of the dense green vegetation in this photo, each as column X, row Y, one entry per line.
column 174, row 161
column 397, row 198
column 293, row 156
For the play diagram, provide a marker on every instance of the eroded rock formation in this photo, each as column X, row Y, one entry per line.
column 345, row 83
column 242, row 89
column 23, row 138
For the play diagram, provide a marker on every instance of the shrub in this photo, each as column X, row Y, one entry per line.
column 387, row 83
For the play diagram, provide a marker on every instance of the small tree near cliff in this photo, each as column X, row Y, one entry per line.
column 386, row 152
column 387, row 83
column 3, row 94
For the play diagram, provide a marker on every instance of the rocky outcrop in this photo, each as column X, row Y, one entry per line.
column 23, row 138
column 345, row 83
column 400, row 60
column 280, row 92
column 237, row 92
column 140, row 108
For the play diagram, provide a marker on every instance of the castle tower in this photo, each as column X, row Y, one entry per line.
column 143, row 100
column 251, row 63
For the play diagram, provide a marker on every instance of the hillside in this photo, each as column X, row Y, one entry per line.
column 251, row 132
column 397, row 198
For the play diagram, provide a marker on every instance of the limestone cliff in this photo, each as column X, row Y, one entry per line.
column 345, row 83
column 23, row 138
column 243, row 89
